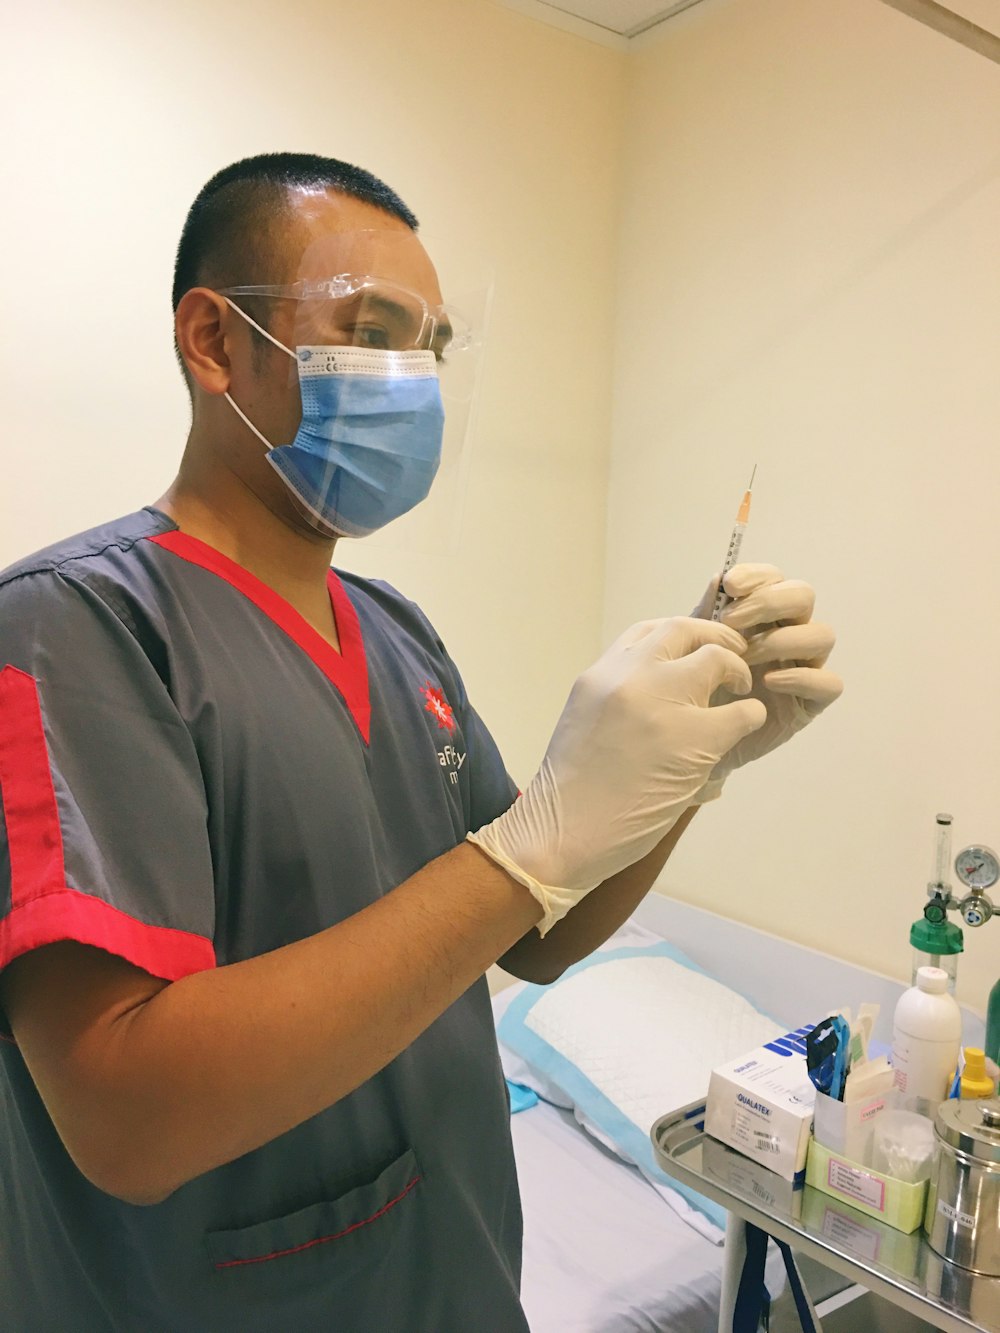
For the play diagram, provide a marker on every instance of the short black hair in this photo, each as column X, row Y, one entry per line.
column 232, row 231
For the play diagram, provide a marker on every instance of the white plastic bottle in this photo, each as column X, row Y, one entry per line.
column 926, row 1036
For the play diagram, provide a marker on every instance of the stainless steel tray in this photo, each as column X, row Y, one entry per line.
column 903, row 1269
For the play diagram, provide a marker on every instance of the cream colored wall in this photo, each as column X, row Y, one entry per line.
column 501, row 133
column 810, row 281
column 807, row 278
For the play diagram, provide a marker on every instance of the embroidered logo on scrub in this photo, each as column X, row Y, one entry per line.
column 439, row 706
column 450, row 757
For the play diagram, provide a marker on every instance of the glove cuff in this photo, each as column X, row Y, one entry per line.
column 555, row 903
column 711, row 791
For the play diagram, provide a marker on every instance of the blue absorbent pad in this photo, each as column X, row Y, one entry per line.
column 665, row 988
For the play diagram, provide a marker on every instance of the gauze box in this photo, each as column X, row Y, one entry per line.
column 762, row 1105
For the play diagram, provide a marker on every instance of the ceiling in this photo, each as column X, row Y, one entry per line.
column 622, row 18
column 616, row 21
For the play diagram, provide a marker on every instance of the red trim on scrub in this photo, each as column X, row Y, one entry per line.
column 347, row 670
column 34, row 837
column 68, row 914
column 321, row 1240
column 44, row 908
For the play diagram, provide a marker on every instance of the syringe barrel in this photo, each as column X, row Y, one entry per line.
column 722, row 599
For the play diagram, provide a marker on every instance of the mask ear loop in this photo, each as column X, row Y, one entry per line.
column 270, row 337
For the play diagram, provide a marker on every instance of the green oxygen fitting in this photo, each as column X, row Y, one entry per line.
column 936, row 943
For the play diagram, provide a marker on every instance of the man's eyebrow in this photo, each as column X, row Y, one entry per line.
column 387, row 305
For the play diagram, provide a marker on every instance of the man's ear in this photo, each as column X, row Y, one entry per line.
column 200, row 328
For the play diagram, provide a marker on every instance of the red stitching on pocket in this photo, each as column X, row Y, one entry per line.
column 320, row 1240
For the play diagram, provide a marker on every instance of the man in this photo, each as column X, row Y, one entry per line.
column 250, row 1077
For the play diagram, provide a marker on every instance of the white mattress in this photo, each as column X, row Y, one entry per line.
column 602, row 1251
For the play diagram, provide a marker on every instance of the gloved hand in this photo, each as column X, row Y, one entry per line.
column 787, row 655
column 636, row 741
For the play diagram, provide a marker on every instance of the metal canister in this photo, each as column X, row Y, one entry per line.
column 963, row 1218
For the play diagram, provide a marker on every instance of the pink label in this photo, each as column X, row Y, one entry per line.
column 856, row 1185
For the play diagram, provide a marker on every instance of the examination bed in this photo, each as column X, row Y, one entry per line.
column 606, row 1247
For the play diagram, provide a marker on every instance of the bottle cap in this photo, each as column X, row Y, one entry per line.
column 943, row 937
column 934, row 980
column 975, row 1062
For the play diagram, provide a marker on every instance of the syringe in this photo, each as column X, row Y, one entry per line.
column 722, row 600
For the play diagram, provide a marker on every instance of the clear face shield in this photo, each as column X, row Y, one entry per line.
column 388, row 372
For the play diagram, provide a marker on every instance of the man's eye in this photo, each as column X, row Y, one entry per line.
column 370, row 335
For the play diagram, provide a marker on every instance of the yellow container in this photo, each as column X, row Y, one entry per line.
column 899, row 1203
column 975, row 1080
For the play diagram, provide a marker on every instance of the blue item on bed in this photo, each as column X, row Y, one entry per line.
column 520, row 1097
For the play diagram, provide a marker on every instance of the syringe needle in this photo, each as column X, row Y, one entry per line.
column 722, row 600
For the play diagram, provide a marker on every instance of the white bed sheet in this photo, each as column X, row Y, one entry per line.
column 603, row 1253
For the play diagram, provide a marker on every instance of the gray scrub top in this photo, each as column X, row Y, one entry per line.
column 190, row 775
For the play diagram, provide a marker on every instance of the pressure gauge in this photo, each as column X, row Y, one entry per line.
column 977, row 867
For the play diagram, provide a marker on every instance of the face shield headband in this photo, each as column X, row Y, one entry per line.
column 369, row 442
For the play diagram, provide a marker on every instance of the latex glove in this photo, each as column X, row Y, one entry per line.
column 787, row 653
column 634, row 744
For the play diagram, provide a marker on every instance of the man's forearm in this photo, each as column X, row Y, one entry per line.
column 222, row 1061
column 591, row 922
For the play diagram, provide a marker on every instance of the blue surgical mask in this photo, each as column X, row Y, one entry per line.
column 369, row 443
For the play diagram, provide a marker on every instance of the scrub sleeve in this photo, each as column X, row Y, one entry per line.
column 104, row 837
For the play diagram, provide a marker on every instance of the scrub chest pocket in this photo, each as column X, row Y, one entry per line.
column 327, row 1244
